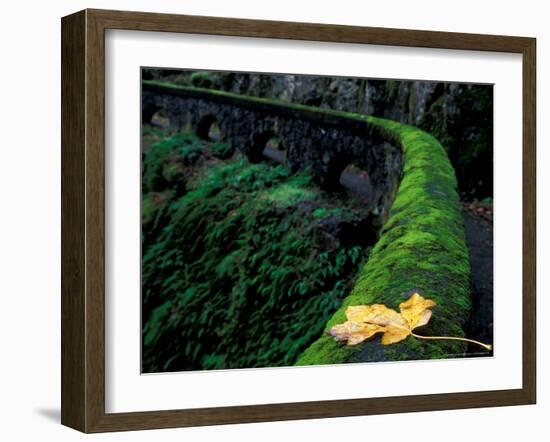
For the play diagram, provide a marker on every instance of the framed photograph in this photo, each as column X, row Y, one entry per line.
column 269, row 220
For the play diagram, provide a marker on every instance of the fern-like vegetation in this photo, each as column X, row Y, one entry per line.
column 242, row 264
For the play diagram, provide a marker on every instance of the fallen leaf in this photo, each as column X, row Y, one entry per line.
column 393, row 325
column 354, row 332
column 364, row 321
column 416, row 310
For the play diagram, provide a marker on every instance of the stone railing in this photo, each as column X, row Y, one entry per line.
column 322, row 141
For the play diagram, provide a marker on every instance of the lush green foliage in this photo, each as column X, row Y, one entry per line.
column 221, row 150
column 162, row 165
column 240, row 271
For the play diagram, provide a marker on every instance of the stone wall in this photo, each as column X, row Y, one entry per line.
column 324, row 143
column 459, row 115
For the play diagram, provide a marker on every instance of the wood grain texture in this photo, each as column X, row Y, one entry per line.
column 83, row 219
column 73, row 254
column 144, row 21
column 529, row 220
column 95, row 221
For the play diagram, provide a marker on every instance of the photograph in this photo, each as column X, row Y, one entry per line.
column 298, row 220
column 250, row 221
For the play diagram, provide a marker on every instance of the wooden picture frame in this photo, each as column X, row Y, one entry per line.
column 83, row 220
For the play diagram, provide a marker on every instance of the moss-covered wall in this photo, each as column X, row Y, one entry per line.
column 422, row 246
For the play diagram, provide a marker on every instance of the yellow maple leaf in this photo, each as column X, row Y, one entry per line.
column 364, row 321
column 416, row 310
column 354, row 332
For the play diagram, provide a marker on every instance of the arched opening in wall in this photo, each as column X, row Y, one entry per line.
column 357, row 181
column 147, row 112
column 267, row 145
column 160, row 118
column 154, row 115
column 275, row 150
column 209, row 129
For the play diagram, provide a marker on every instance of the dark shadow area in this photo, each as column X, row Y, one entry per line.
column 479, row 238
column 147, row 112
column 209, row 129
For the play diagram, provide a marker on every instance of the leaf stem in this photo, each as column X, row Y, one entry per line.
column 453, row 338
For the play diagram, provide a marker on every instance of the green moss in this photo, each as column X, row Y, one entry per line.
column 422, row 246
column 311, row 111
column 201, row 79
column 288, row 194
